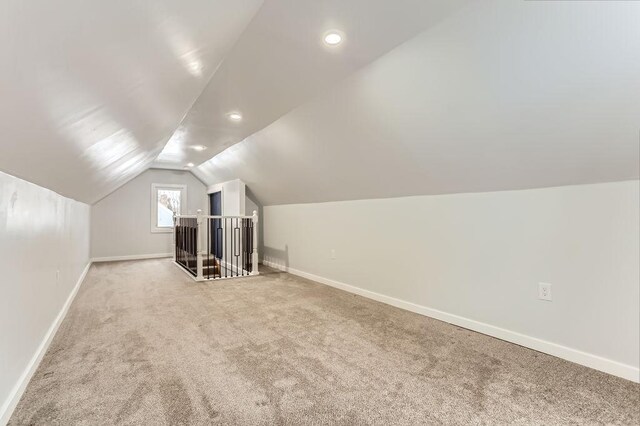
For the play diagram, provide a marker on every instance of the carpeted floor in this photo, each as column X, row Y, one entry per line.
column 144, row 344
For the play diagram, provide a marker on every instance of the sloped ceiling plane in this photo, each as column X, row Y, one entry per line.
column 420, row 97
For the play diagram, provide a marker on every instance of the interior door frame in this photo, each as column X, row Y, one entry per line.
column 221, row 201
column 216, row 188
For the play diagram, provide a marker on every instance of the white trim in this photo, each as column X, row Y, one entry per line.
column 182, row 268
column 234, row 268
column 16, row 393
column 154, row 204
column 131, row 257
column 235, row 277
column 204, row 216
column 596, row 362
column 194, row 278
column 216, row 187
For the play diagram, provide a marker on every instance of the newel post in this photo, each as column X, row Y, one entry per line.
column 200, row 276
column 254, row 256
column 173, row 239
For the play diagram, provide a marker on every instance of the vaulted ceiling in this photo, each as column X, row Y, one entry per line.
column 281, row 61
column 421, row 97
column 90, row 91
column 500, row 95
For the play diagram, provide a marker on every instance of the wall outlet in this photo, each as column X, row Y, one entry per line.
column 333, row 254
column 58, row 275
column 544, row 291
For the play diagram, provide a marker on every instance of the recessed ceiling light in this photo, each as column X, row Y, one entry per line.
column 190, row 164
column 235, row 116
column 199, row 147
column 332, row 38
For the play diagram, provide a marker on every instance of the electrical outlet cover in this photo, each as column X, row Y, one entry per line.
column 544, row 291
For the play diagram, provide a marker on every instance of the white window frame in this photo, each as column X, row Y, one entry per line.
column 154, row 203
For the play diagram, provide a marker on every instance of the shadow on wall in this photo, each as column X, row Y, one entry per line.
column 276, row 257
column 250, row 196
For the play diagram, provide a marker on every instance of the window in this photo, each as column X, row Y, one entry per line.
column 166, row 200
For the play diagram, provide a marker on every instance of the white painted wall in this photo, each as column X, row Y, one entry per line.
column 233, row 197
column 121, row 222
column 481, row 256
column 41, row 233
column 502, row 95
column 252, row 205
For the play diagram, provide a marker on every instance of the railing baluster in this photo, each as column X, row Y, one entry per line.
column 182, row 242
column 254, row 253
column 226, row 252
column 197, row 245
column 243, row 238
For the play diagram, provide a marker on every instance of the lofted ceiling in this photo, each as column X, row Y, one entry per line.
column 90, row 91
column 500, row 95
column 421, row 97
column 280, row 61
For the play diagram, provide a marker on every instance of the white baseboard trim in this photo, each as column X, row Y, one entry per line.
column 234, row 268
column 579, row 357
column 224, row 264
column 131, row 257
column 16, row 393
column 189, row 274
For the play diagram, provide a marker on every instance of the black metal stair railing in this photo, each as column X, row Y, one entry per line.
column 213, row 247
column 229, row 247
column 186, row 234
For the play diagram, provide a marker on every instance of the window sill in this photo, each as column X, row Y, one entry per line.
column 162, row 230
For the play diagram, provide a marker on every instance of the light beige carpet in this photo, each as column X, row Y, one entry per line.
column 144, row 344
